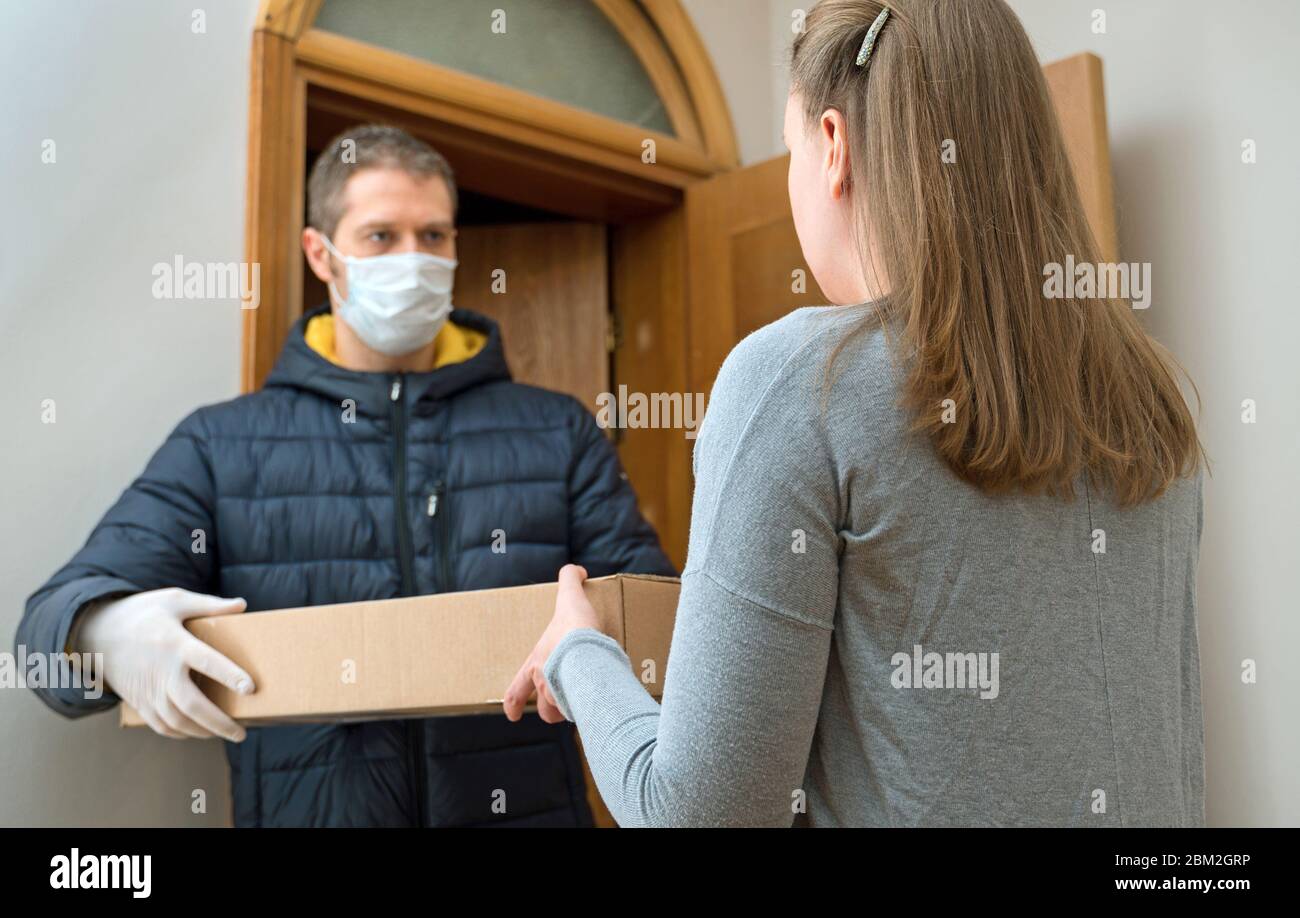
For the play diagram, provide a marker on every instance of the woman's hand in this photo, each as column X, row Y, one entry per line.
column 572, row 611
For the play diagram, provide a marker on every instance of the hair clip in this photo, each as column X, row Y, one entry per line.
column 869, row 42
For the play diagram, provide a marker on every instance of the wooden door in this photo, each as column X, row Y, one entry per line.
column 744, row 267
column 1078, row 93
column 744, row 254
column 547, row 286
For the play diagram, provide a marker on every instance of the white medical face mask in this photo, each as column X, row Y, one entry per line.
column 396, row 303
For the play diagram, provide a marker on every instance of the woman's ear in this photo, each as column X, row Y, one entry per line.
column 835, row 159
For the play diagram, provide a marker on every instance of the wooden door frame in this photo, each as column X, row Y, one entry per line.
column 573, row 148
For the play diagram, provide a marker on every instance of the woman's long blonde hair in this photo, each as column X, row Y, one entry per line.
column 1043, row 390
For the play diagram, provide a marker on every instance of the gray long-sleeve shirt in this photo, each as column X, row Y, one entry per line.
column 863, row 639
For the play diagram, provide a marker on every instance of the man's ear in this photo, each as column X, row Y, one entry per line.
column 835, row 149
column 318, row 257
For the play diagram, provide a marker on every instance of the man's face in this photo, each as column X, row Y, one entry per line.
column 386, row 211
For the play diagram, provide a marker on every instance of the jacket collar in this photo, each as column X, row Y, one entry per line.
column 300, row 367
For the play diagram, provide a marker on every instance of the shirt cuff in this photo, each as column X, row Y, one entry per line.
column 578, row 645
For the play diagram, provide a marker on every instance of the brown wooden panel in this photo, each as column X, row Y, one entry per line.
column 272, row 219
column 500, row 166
column 743, row 257
column 763, row 278
column 554, row 313
column 649, row 290
column 1080, row 99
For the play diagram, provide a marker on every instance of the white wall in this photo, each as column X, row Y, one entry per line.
column 738, row 37
column 150, row 126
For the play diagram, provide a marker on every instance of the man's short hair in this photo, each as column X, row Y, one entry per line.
column 368, row 146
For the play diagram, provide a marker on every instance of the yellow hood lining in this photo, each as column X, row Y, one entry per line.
column 454, row 344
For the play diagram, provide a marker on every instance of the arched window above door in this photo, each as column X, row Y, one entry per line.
column 587, row 63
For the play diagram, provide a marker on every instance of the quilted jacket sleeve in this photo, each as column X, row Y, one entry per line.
column 607, row 534
column 159, row 533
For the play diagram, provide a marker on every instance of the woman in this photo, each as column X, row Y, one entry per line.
column 943, row 544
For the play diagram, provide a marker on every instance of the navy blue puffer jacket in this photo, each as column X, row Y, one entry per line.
column 305, row 502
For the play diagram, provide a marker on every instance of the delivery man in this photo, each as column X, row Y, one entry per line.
column 388, row 454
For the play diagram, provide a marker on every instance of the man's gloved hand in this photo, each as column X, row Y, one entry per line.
column 148, row 656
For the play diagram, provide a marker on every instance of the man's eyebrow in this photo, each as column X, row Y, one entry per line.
column 385, row 224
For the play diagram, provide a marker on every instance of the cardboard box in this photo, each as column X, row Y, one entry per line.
column 452, row 653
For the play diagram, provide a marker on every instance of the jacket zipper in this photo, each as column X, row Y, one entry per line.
column 404, row 552
column 415, row 729
column 438, row 511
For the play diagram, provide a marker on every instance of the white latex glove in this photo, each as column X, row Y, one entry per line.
column 148, row 656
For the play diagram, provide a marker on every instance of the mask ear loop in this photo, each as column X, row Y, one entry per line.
column 333, row 290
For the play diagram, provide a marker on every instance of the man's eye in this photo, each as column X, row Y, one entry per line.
column 435, row 235
column 379, row 235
